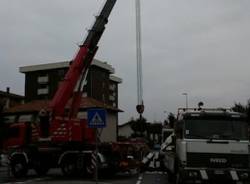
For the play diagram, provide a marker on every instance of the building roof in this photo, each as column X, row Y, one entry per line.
column 124, row 124
column 115, row 79
column 64, row 64
column 37, row 105
column 11, row 95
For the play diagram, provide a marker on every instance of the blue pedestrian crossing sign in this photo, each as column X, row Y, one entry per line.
column 96, row 118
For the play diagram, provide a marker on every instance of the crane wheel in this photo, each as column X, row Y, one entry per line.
column 19, row 167
column 178, row 179
column 42, row 171
column 41, row 168
column 90, row 170
column 68, row 167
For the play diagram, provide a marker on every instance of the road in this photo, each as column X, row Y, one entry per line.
column 55, row 177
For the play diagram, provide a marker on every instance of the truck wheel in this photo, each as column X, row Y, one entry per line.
column 80, row 166
column 68, row 167
column 90, row 169
column 178, row 179
column 19, row 167
column 41, row 170
column 171, row 177
column 91, row 166
column 40, row 165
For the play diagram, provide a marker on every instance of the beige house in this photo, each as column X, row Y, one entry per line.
column 125, row 130
column 29, row 111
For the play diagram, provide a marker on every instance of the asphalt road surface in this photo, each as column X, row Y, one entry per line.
column 55, row 177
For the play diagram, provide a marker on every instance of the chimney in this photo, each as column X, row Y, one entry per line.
column 8, row 90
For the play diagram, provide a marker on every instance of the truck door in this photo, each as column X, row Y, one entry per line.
column 16, row 135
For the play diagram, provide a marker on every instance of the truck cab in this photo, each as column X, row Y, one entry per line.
column 20, row 130
column 210, row 145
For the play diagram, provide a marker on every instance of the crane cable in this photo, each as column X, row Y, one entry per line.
column 140, row 106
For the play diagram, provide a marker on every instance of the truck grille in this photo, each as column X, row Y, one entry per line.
column 216, row 160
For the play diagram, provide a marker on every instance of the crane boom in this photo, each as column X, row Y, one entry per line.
column 80, row 64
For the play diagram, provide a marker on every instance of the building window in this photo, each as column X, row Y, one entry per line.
column 41, row 86
column 103, row 97
column 43, row 79
column 9, row 119
column 111, row 98
column 43, row 91
column 112, row 87
column 25, row 118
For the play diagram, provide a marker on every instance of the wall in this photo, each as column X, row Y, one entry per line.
column 125, row 131
column 109, row 134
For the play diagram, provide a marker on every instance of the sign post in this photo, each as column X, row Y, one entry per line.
column 96, row 119
column 96, row 155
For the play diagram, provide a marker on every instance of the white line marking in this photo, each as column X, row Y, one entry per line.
column 139, row 179
column 158, row 164
column 204, row 174
column 234, row 175
column 138, row 182
column 28, row 181
column 155, row 172
column 156, row 155
column 151, row 164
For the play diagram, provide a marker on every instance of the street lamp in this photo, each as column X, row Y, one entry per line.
column 185, row 94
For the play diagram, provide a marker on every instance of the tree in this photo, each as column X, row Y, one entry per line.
column 154, row 129
column 238, row 107
column 139, row 126
column 171, row 120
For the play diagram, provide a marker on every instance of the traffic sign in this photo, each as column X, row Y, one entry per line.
column 96, row 118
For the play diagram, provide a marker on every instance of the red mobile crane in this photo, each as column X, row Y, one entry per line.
column 63, row 140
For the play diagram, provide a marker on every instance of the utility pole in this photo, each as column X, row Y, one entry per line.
column 140, row 105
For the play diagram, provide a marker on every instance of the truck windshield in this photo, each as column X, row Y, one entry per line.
column 216, row 129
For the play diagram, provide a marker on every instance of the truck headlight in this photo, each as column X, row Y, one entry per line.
column 244, row 175
column 192, row 174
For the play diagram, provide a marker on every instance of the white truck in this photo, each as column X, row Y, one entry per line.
column 208, row 145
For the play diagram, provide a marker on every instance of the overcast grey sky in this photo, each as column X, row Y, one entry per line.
column 201, row 47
